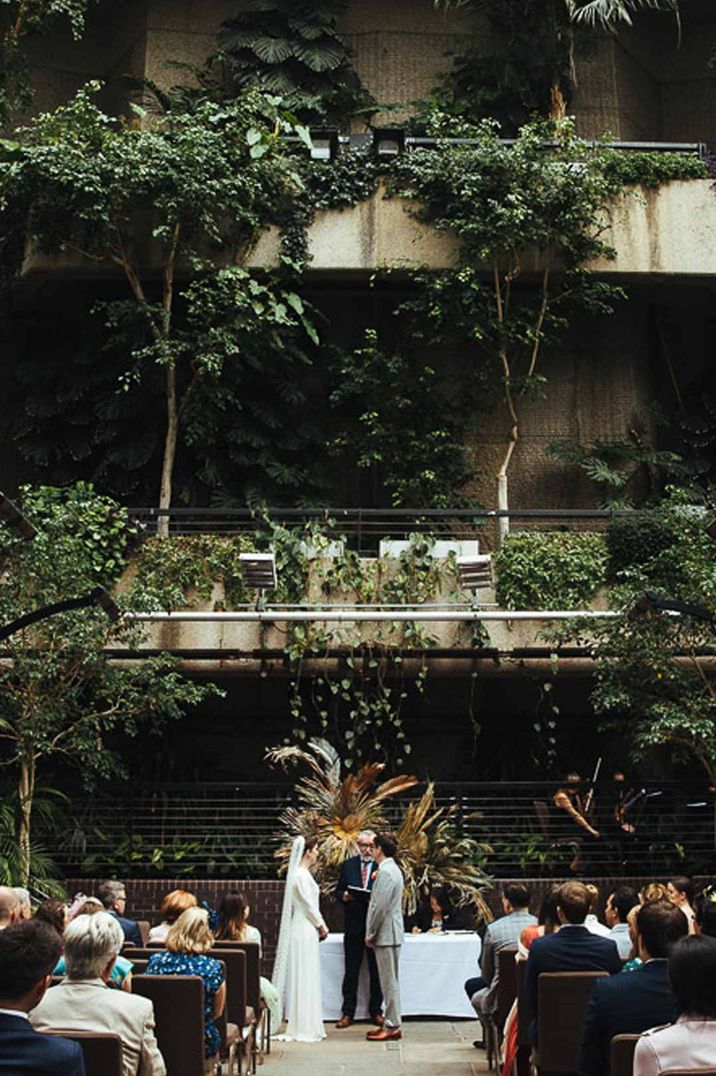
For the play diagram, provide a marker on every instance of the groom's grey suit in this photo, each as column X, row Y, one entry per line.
column 384, row 927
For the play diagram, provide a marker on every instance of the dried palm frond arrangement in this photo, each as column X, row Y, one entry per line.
column 432, row 854
column 336, row 810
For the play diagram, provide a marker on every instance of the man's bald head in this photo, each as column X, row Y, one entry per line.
column 9, row 906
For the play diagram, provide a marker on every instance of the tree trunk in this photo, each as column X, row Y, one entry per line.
column 26, row 791
column 170, row 449
column 557, row 102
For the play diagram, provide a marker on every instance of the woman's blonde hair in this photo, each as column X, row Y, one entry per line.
column 190, row 933
column 653, row 891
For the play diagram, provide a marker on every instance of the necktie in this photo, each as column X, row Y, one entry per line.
column 365, row 867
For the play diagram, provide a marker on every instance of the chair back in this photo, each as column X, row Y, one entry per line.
column 506, row 982
column 179, row 1013
column 102, row 1052
column 144, row 928
column 621, row 1055
column 523, row 1014
column 139, row 967
column 253, row 968
column 562, row 998
column 234, row 961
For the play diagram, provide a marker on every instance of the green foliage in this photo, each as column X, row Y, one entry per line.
column 651, row 680
column 60, row 698
column 559, row 570
column 294, row 49
column 623, row 471
column 39, row 873
column 20, row 19
column 652, row 169
column 213, row 179
column 418, row 451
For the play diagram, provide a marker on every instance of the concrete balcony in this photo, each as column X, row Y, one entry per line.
column 668, row 231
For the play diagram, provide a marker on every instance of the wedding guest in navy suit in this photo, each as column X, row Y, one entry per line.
column 632, row 1002
column 572, row 948
column 358, row 871
column 29, row 951
column 114, row 897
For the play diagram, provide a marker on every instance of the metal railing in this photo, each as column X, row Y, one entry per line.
column 206, row 830
column 362, row 529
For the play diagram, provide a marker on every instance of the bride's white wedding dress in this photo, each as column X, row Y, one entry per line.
column 303, row 993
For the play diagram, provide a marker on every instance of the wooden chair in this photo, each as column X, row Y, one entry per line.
column 621, row 1055
column 144, row 928
column 238, row 1011
column 506, row 994
column 262, row 1037
column 524, row 1047
column 561, row 1008
column 179, row 1014
column 102, row 1052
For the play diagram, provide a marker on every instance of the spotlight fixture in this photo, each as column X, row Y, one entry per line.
column 324, row 144
column 13, row 518
column 475, row 573
column 388, row 142
column 258, row 571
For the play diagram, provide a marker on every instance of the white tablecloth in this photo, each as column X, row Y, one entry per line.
column 433, row 970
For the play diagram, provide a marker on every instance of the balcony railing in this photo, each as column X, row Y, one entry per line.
column 364, row 528
column 206, row 830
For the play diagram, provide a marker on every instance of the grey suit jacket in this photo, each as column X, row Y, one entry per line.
column 502, row 933
column 384, row 924
column 90, row 1005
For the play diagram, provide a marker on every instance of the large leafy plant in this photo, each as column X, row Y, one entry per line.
column 294, row 49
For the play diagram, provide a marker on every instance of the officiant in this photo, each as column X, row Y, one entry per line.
column 352, row 892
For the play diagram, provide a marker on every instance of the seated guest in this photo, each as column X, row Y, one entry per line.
column 173, row 905
column 234, row 912
column 629, row 1004
column 706, row 917
column 187, row 944
column 9, row 906
column 591, row 922
column 436, row 913
column 690, row 1043
column 121, row 974
column 653, row 891
column 25, row 905
column 572, row 948
column 619, row 904
column 55, row 912
column 547, row 924
column 680, row 889
column 82, row 1001
column 28, row 951
column 114, row 899
column 503, row 933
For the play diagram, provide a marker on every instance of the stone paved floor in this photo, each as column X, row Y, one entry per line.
column 428, row 1048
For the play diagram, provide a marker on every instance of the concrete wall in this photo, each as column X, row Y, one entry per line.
column 639, row 86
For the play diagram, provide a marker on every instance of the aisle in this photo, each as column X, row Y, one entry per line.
column 428, row 1047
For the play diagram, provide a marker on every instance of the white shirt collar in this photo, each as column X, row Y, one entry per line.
column 14, row 1012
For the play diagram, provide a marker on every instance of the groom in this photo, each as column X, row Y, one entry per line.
column 384, row 932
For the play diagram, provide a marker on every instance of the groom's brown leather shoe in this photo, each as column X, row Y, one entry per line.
column 345, row 1021
column 382, row 1034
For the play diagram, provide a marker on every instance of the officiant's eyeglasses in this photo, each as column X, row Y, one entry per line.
column 365, row 844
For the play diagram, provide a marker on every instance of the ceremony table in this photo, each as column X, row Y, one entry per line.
column 433, row 970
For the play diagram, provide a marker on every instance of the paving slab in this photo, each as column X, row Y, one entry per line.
column 428, row 1048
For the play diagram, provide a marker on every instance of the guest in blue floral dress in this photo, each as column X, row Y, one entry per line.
column 188, row 942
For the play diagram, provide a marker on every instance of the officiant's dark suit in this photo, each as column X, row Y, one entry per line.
column 352, row 873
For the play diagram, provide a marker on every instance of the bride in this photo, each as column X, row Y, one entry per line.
column 297, row 969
